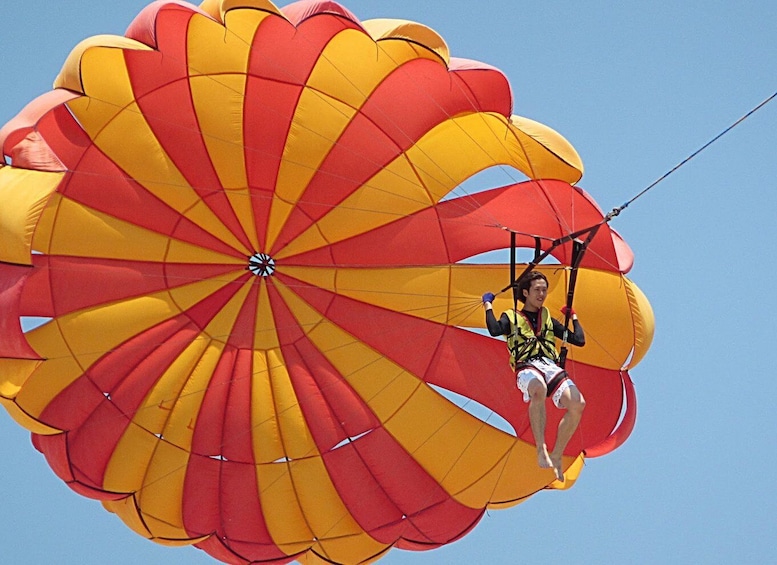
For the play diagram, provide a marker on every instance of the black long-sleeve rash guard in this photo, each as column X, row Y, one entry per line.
column 502, row 327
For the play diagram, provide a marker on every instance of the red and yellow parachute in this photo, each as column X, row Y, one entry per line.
column 235, row 286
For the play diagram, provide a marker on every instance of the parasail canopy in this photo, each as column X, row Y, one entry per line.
column 239, row 301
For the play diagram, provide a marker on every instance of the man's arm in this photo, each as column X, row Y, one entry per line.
column 497, row 327
column 575, row 337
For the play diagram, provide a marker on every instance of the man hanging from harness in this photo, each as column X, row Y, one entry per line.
column 531, row 334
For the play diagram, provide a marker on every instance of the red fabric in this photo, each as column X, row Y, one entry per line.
column 145, row 25
column 271, row 106
column 13, row 344
column 383, row 129
column 95, row 424
column 300, row 11
column 457, row 229
column 387, row 491
column 33, row 153
column 332, row 409
column 390, row 495
column 620, row 434
column 230, row 551
column 442, row 356
column 61, row 285
column 487, row 86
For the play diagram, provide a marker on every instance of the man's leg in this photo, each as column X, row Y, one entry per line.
column 574, row 404
column 537, row 394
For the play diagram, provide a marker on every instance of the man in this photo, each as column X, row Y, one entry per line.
column 531, row 337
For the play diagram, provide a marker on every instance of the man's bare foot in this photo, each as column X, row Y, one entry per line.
column 543, row 459
column 556, row 462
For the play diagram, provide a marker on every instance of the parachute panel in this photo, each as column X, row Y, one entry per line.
column 24, row 194
column 643, row 320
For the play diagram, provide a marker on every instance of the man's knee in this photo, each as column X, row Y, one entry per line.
column 572, row 400
column 537, row 389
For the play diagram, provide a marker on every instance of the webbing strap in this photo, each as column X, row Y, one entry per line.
column 578, row 250
column 555, row 382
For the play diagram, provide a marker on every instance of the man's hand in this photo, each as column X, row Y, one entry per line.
column 569, row 312
column 488, row 297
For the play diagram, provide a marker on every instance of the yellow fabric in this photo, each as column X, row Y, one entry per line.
column 299, row 500
column 549, row 154
column 220, row 117
column 109, row 113
column 85, row 232
column 52, row 377
column 347, row 72
column 643, row 320
column 281, row 509
column 177, row 396
column 267, row 443
column 572, row 469
column 156, row 477
column 418, row 291
column 161, row 497
column 606, row 303
column 395, row 191
column 305, row 150
column 384, row 29
column 219, row 9
column 218, row 83
column 349, row 69
column 75, row 341
column 606, row 313
column 438, row 162
column 126, row 509
column 265, row 333
column 293, row 430
column 72, row 76
column 302, row 504
column 15, row 374
column 463, row 454
column 603, row 301
column 24, row 195
column 243, row 22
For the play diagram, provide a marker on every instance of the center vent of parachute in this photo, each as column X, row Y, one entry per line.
column 261, row 264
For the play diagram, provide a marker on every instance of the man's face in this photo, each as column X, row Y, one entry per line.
column 536, row 295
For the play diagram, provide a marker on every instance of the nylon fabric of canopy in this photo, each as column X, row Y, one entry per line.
column 292, row 411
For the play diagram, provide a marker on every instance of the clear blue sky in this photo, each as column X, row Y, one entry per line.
column 636, row 87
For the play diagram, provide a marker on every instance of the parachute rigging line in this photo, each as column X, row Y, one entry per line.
column 580, row 247
column 619, row 209
column 578, row 250
column 539, row 255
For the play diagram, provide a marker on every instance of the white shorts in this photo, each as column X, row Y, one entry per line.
column 545, row 368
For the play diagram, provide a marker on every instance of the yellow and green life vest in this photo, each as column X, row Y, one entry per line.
column 526, row 342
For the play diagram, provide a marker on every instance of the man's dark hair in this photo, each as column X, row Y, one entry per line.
column 525, row 282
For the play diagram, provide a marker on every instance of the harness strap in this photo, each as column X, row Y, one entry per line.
column 578, row 250
column 525, row 345
column 556, row 381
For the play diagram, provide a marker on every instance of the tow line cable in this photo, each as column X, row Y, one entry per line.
column 580, row 246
